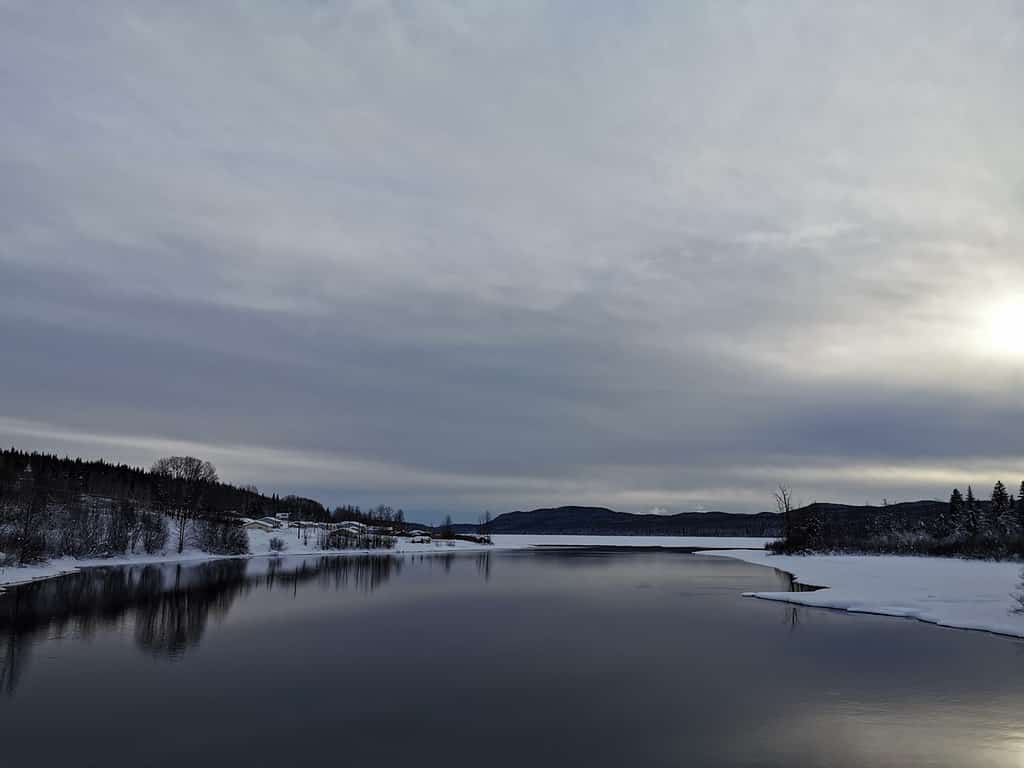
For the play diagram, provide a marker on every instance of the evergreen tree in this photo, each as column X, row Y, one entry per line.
column 1019, row 509
column 1000, row 522
column 954, row 522
column 970, row 515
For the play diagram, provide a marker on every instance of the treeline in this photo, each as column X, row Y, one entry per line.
column 55, row 507
column 381, row 515
column 965, row 526
column 65, row 476
column 53, row 511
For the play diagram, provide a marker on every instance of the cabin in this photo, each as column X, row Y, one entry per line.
column 273, row 522
column 258, row 525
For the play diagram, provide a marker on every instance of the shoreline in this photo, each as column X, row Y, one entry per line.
column 975, row 595
column 13, row 576
column 55, row 569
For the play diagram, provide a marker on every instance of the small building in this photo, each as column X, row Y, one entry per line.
column 283, row 516
column 273, row 522
column 258, row 525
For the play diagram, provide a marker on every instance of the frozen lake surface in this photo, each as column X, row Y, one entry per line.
column 506, row 658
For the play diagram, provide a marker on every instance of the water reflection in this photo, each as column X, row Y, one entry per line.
column 168, row 606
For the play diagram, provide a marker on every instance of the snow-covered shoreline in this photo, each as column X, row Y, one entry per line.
column 948, row 592
column 259, row 545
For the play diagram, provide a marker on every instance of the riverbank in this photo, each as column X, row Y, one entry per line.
column 949, row 592
column 259, row 546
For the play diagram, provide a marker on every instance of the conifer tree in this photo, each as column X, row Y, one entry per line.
column 970, row 516
column 1019, row 509
column 1000, row 522
column 954, row 522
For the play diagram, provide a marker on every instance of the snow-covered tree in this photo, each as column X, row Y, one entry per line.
column 1019, row 508
column 182, row 482
column 953, row 521
column 1000, row 516
column 970, row 514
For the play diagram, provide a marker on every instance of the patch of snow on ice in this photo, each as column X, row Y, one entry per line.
column 963, row 594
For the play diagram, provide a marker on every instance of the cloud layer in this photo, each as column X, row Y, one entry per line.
column 486, row 255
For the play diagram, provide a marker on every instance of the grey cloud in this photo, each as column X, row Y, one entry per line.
column 490, row 256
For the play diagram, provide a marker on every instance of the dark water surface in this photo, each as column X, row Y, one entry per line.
column 505, row 659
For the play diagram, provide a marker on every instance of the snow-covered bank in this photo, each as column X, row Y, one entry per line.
column 964, row 594
column 259, row 546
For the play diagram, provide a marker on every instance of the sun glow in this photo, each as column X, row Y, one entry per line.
column 1004, row 332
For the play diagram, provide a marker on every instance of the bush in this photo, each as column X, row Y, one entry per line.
column 121, row 527
column 343, row 539
column 155, row 532
column 221, row 536
column 277, row 544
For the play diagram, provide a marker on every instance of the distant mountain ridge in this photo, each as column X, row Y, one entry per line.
column 608, row 522
column 601, row 521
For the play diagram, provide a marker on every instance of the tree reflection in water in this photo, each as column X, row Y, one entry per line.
column 168, row 606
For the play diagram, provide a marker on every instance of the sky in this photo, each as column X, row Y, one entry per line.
column 468, row 256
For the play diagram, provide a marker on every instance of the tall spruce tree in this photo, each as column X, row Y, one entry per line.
column 970, row 516
column 1019, row 509
column 954, row 520
column 1000, row 523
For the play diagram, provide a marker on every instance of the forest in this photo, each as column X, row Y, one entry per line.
column 965, row 526
column 53, row 506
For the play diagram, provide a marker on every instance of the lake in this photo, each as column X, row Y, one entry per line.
column 539, row 658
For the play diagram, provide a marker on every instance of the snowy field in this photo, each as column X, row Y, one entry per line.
column 964, row 594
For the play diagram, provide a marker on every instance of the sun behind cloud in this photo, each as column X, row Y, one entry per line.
column 1004, row 328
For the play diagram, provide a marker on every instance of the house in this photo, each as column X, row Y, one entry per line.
column 273, row 522
column 283, row 516
column 258, row 525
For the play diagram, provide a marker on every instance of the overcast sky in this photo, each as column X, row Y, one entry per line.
column 493, row 255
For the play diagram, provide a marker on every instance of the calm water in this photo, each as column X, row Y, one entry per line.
column 510, row 659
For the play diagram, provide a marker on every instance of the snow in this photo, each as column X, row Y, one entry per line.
column 964, row 594
column 259, row 546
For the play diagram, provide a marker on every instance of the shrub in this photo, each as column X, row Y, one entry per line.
column 342, row 539
column 155, row 532
column 221, row 536
column 277, row 544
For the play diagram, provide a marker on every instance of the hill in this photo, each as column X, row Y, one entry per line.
column 607, row 522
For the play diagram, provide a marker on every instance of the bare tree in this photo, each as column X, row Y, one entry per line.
column 483, row 523
column 784, row 504
column 182, row 482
